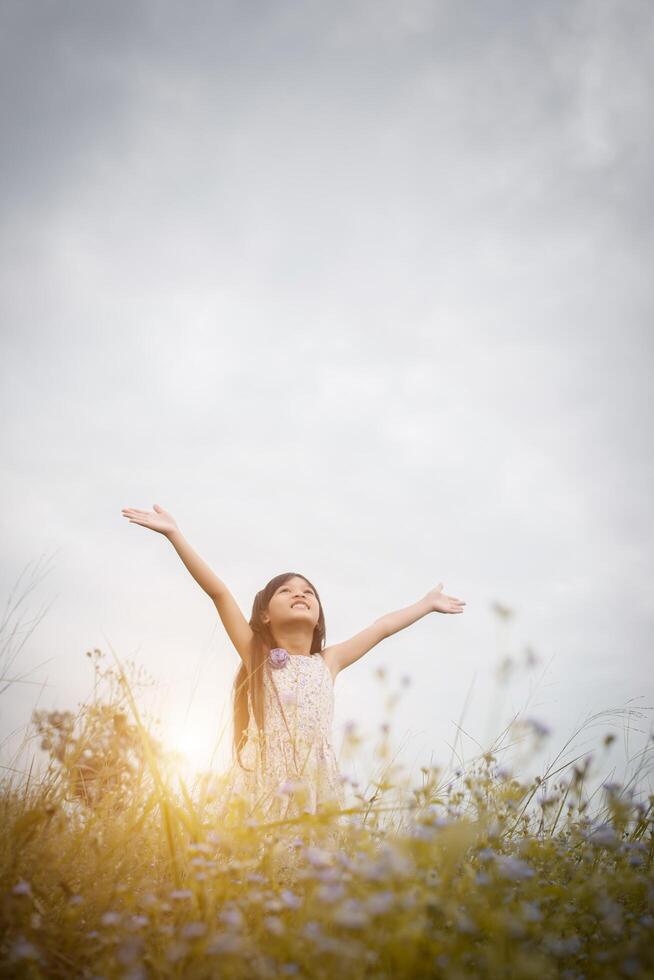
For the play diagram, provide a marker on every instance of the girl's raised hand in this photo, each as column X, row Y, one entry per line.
column 157, row 520
column 438, row 602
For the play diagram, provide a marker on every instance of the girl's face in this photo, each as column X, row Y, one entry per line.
column 294, row 602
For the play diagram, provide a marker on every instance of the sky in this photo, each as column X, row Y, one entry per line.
column 356, row 290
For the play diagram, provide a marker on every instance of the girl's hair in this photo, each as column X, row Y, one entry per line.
column 263, row 642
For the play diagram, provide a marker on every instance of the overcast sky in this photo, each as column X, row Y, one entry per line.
column 360, row 290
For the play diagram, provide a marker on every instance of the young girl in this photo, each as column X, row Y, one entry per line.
column 283, row 696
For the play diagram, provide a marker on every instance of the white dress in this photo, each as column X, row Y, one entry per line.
column 294, row 766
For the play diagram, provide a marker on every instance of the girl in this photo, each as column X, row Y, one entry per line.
column 283, row 694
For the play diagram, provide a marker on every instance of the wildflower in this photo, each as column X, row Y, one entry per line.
column 409, row 899
column 464, row 923
column 396, row 862
column 110, row 918
column 562, row 947
column 178, row 894
column 232, row 917
column 531, row 912
column 76, row 900
column 486, row 854
column 224, row 943
column 22, row 888
column 312, row 930
column 274, row 924
column 138, row 921
column 255, row 876
column 420, row 831
column 24, row 950
column 192, row 930
column 371, row 870
column 331, row 892
column 603, row 836
column 289, row 969
column 611, row 913
column 291, row 900
column 513, row 868
column 317, row 858
column 278, row 657
column 380, row 902
column 539, row 729
column 351, row 914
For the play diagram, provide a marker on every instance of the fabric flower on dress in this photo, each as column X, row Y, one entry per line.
column 278, row 657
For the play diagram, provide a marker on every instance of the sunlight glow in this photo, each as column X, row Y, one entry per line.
column 192, row 743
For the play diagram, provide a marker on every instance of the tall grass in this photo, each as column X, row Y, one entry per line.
column 112, row 866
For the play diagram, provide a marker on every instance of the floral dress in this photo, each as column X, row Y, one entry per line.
column 293, row 765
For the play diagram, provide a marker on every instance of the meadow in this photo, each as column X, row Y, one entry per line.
column 113, row 865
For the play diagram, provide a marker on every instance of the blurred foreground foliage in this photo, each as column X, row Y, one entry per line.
column 110, row 866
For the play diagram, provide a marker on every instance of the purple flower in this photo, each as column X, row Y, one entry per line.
column 278, row 657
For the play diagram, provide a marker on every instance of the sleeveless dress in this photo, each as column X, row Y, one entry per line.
column 292, row 767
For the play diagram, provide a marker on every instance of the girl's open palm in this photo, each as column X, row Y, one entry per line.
column 157, row 520
column 440, row 602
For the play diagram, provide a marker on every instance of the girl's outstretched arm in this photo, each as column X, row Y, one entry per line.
column 236, row 625
column 341, row 655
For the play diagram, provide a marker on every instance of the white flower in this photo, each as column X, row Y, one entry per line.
column 22, row 888
column 232, row 917
column 224, row 943
column 110, row 918
column 317, row 857
column 513, row 868
column 380, row 902
column 24, row 950
column 274, row 924
column 603, row 836
column 291, row 900
column 330, row 892
column 351, row 914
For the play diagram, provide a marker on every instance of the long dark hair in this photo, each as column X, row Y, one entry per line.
column 263, row 642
